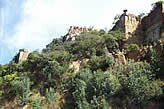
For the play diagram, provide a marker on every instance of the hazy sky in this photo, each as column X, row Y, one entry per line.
column 32, row 24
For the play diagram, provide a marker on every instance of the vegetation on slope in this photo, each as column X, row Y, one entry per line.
column 46, row 79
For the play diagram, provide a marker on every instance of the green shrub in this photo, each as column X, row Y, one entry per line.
column 137, row 81
column 99, row 103
column 113, row 40
column 36, row 104
column 50, row 94
column 131, row 47
column 104, row 84
column 21, row 85
column 101, row 62
column 79, row 94
column 142, row 89
column 89, row 89
column 87, row 44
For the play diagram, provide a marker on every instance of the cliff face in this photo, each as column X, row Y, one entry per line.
column 21, row 56
column 152, row 24
column 127, row 23
column 147, row 30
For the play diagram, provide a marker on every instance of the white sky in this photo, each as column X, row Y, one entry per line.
column 44, row 20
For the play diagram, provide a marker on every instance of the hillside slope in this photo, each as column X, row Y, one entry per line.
column 46, row 79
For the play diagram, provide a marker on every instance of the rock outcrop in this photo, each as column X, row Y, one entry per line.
column 120, row 58
column 146, row 30
column 127, row 23
column 21, row 56
column 75, row 65
column 75, row 31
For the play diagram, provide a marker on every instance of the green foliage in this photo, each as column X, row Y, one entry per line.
column 21, row 85
column 99, row 102
column 102, row 32
column 96, row 43
column 131, row 47
column 137, row 80
column 99, row 84
column 36, row 104
column 79, row 94
column 9, row 77
column 104, row 104
column 35, row 99
column 7, row 74
column 101, row 62
column 143, row 89
column 50, row 94
column 47, row 68
column 154, row 60
column 119, row 35
column 113, row 40
column 139, row 69
column 61, row 57
column 93, row 89
column 87, row 44
column 104, row 84
column 56, row 44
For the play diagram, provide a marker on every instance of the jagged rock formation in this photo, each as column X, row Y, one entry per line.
column 21, row 56
column 153, row 24
column 146, row 30
column 75, row 31
column 127, row 23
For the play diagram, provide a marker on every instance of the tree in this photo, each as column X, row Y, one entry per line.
column 101, row 62
column 21, row 85
column 79, row 94
column 56, row 44
column 87, row 44
column 113, row 40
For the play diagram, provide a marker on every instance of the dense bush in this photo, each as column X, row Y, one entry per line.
column 113, row 40
column 87, row 44
column 89, row 89
column 99, row 84
column 101, row 62
column 138, row 81
column 21, row 85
